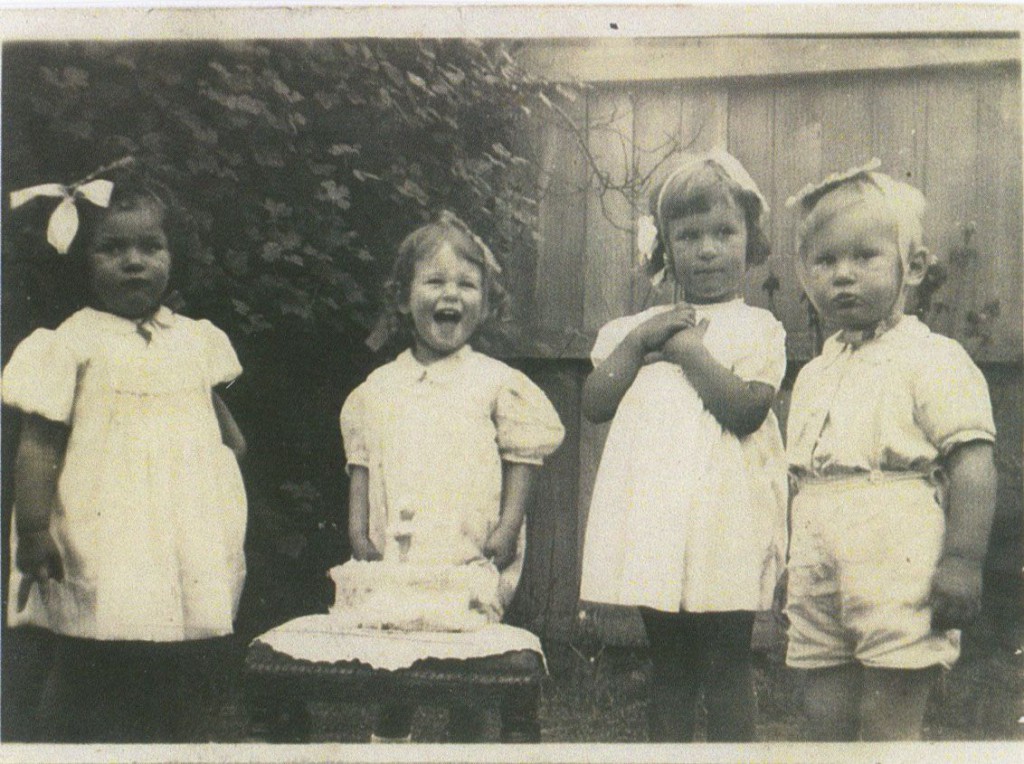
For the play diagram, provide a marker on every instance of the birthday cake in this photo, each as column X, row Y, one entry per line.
column 429, row 580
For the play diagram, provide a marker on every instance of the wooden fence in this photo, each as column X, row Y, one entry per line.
column 943, row 114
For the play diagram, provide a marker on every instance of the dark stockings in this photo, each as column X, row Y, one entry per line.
column 694, row 651
column 129, row 692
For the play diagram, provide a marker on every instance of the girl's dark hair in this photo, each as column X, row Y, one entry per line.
column 136, row 188
column 394, row 326
column 696, row 194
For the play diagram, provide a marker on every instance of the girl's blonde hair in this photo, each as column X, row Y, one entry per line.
column 394, row 326
column 693, row 186
column 818, row 203
column 904, row 203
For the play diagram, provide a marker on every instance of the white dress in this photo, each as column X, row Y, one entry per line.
column 685, row 515
column 433, row 439
column 150, row 510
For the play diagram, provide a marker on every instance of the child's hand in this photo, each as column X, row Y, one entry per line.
column 956, row 593
column 364, row 550
column 500, row 547
column 681, row 344
column 652, row 333
column 779, row 599
column 39, row 560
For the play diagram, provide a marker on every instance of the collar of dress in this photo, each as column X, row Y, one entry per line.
column 439, row 371
column 163, row 318
column 708, row 309
column 885, row 335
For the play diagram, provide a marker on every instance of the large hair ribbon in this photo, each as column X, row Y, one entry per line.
column 63, row 225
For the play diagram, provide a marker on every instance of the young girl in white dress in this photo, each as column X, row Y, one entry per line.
column 443, row 430
column 129, row 511
column 688, row 515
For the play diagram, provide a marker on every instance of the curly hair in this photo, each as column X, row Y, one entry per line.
column 394, row 326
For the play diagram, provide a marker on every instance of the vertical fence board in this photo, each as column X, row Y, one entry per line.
column 558, row 290
column 704, row 118
column 999, row 218
column 657, row 118
column 548, row 590
column 608, row 272
column 751, row 138
column 950, row 187
column 798, row 136
column 846, row 109
column 898, row 128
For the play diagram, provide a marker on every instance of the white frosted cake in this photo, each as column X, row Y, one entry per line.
column 422, row 584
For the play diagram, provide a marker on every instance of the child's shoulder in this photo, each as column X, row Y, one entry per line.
column 754, row 313
column 201, row 326
column 382, row 373
column 488, row 364
column 751, row 321
column 924, row 349
column 82, row 320
column 73, row 333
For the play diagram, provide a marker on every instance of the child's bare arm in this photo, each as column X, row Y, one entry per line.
column 230, row 433
column 738, row 405
column 359, row 515
column 605, row 386
column 971, row 499
column 40, row 455
column 516, row 481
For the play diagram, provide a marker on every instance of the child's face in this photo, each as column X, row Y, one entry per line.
column 709, row 252
column 446, row 303
column 129, row 262
column 854, row 272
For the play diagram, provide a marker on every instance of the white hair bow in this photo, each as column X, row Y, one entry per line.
column 63, row 225
column 808, row 196
column 646, row 243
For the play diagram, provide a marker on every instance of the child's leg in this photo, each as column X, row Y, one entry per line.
column 95, row 694
column 138, row 703
column 729, row 689
column 394, row 722
column 65, row 697
column 203, row 670
column 831, row 702
column 893, row 701
column 27, row 658
column 676, row 648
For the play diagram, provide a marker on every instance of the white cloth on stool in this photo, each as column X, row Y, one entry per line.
column 316, row 638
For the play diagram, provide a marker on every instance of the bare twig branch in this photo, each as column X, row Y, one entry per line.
column 599, row 180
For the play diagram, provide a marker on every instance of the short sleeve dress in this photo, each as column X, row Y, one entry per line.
column 684, row 514
column 150, row 510
column 433, row 439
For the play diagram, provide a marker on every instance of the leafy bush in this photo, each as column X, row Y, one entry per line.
column 305, row 163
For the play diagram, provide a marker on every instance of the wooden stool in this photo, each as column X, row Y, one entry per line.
column 278, row 686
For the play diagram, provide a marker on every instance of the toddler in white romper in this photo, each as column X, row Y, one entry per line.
column 889, row 442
